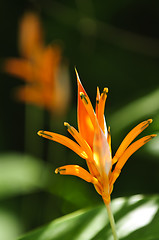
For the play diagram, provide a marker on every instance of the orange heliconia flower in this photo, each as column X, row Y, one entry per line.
column 93, row 143
column 40, row 67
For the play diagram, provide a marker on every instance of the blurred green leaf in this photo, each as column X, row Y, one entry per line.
column 136, row 218
column 153, row 147
column 143, row 107
column 76, row 193
column 20, row 174
column 10, row 225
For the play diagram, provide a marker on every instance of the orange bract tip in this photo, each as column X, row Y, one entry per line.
column 77, row 75
column 105, row 90
column 42, row 133
column 75, row 70
column 150, row 120
column 60, row 170
column 98, row 90
column 146, row 123
column 56, row 171
column 69, row 128
column 98, row 95
column 154, row 135
column 66, row 124
column 150, row 137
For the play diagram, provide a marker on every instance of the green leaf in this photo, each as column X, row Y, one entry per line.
column 20, row 174
column 10, row 225
column 152, row 148
column 23, row 174
column 141, row 108
column 137, row 218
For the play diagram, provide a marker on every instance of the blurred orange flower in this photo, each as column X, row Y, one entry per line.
column 41, row 67
column 93, row 143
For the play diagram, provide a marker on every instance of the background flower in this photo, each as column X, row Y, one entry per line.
column 42, row 68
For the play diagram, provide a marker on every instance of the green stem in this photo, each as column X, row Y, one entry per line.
column 111, row 219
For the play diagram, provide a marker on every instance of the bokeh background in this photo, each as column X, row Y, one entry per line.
column 113, row 44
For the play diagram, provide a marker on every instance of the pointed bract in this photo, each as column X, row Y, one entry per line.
column 83, row 118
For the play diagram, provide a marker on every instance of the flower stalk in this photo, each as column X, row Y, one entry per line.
column 111, row 219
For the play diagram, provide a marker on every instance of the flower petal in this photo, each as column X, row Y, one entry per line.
column 101, row 108
column 97, row 101
column 87, row 104
column 125, row 156
column 109, row 139
column 84, row 145
column 48, row 62
column 31, row 94
column 76, row 171
column 129, row 138
column 64, row 141
column 101, row 152
column 19, row 68
column 30, row 34
column 85, row 124
column 77, row 136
